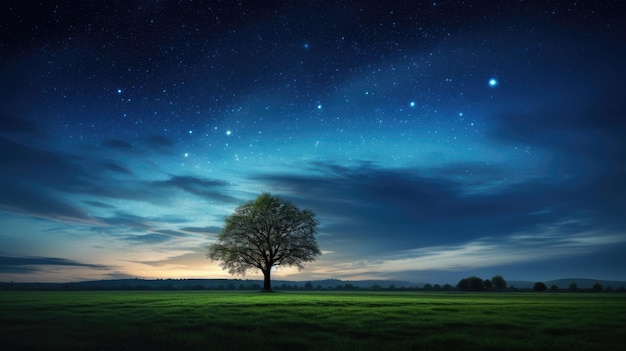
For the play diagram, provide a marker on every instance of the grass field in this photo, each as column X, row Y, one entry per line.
column 201, row 320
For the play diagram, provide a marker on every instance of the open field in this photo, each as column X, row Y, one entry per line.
column 200, row 320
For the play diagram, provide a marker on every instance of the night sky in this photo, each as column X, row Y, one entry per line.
column 434, row 140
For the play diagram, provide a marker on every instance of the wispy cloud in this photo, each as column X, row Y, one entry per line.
column 205, row 188
column 151, row 238
column 211, row 230
column 10, row 264
column 486, row 252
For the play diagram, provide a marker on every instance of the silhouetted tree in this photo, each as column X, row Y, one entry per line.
column 428, row 287
column 475, row 284
column 488, row 284
column 308, row 286
column 471, row 284
column 540, row 287
column 597, row 287
column 446, row 287
column 264, row 233
column 498, row 282
column 573, row 287
column 463, row 284
column 554, row 287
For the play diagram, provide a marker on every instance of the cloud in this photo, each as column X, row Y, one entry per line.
column 196, row 258
column 151, row 238
column 358, row 206
column 159, row 143
column 116, row 167
column 118, row 144
column 127, row 220
column 209, row 231
column 169, row 232
column 481, row 254
column 39, row 203
column 210, row 189
column 11, row 125
column 35, row 264
column 44, row 183
column 99, row 204
column 587, row 151
column 34, row 180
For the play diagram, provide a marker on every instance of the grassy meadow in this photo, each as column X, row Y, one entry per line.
column 213, row 320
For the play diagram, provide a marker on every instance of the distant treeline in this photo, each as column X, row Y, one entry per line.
column 497, row 283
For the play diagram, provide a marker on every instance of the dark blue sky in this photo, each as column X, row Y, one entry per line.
column 434, row 140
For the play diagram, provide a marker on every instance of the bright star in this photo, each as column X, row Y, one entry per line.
column 119, row 91
column 412, row 104
column 319, row 107
column 186, row 154
column 493, row 82
column 228, row 132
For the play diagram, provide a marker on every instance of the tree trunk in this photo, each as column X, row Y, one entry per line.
column 267, row 286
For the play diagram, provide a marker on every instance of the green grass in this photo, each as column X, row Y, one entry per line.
column 200, row 320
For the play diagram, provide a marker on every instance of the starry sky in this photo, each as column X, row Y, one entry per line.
column 434, row 140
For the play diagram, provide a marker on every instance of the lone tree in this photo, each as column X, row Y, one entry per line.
column 264, row 233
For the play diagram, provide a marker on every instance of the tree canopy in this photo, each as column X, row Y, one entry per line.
column 540, row 287
column 498, row 282
column 264, row 233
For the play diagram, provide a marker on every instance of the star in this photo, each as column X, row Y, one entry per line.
column 228, row 132
column 493, row 82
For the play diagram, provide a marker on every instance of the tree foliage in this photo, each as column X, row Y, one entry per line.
column 264, row 233
column 471, row 284
column 540, row 287
column 498, row 282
